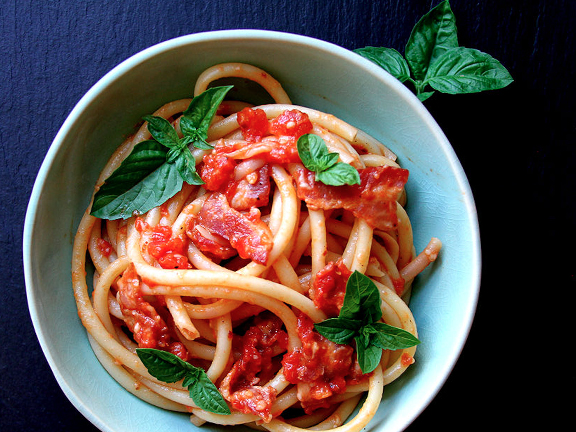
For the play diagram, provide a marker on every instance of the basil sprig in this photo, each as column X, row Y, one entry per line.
column 434, row 58
column 169, row 368
column 315, row 156
column 155, row 169
column 359, row 319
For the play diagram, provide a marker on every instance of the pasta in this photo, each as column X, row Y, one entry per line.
column 231, row 275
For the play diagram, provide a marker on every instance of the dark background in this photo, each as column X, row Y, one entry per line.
column 516, row 145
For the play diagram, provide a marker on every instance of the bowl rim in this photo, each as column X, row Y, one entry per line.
column 246, row 34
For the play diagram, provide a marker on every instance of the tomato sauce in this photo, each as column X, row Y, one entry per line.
column 216, row 171
column 329, row 287
column 241, row 386
column 104, row 247
column 286, row 128
column 374, row 200
column 291, row 123
column 169, row 251
column 253, row 124
column 149, row 329
column 324, row 366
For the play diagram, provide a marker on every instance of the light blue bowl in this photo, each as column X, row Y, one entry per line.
column 315, row 74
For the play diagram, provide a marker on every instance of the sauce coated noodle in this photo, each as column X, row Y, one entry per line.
column 230, row 276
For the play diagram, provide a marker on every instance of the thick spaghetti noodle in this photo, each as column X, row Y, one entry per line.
column 231, row 275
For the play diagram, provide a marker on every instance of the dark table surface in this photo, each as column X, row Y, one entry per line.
column 517, row 146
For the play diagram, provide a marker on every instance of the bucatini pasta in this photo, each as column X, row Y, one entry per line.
column 231, row 275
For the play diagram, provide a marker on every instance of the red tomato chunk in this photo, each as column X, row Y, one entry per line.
column 321, row 367
column 291, row 123
column 253, row 124
column 104, row 247
column 143, row 320
column 329, row 287
column 242, row 386
column 168, row 250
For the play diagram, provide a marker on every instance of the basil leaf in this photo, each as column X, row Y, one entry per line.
column 163, row 365
column 173, row 154
column 432, row 35
column 338, row 175
column 424, row 95
column 362, row 299
column 390, row 337
column 170, row 368
column 467, row 70
column 162, row 131
column 141, row 182
column 196, row 138
column 205, row 394
column 388, row 59
column 199, row 114
column 186, row 166
column 314, row 153
column 190, row 378
column 316, row 157
column 338, row 330
column 368, row 355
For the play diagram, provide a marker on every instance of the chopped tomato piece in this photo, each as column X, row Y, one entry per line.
column 251, row 191
column 329, row 287
column 292, row 123
column 255, row 366
column 323, row 365
column 288, row 127
column 168, row 250
column 104, row 247
column 253, row 124
column 217, row 170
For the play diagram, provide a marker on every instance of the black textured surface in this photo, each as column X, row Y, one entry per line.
column 517, row 147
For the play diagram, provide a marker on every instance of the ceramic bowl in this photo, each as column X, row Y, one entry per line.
column 315, row 74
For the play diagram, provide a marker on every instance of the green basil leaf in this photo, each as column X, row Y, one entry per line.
column 186, row 166
column 199, row 114
column 362, row 299
column 338, row 175
column 316, row 157
column 170, row 368
column 432, row 35
column 424, row 95
column 141, row 182
column 368, row 355
column 193, row 135
column 163, row 365
column 467, row 70
column 173, row 154
column 162, row 131
column 313, row 152
column 205, row 394
column 390, row 337
column 191, row 377
column 338, row 330
column 328, row 160
column 388, row 59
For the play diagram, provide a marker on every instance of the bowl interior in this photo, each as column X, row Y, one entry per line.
column 315, row 74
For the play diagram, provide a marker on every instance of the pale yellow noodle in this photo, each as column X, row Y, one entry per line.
column 241, row 70
column 318, row 239
column 203, row 301
column 181, row 318
column 223, row 351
